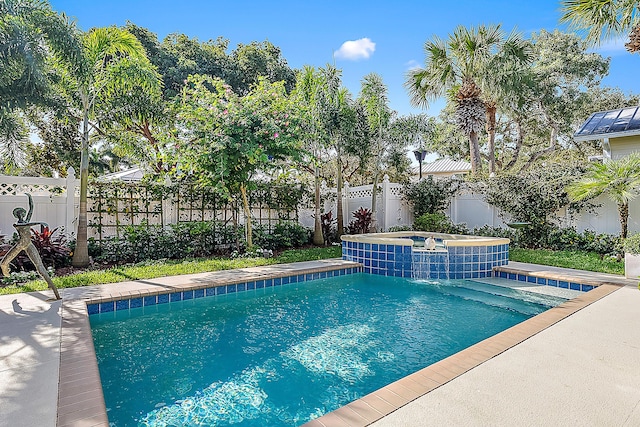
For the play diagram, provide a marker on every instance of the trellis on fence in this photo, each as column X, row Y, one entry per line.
column 115, row 205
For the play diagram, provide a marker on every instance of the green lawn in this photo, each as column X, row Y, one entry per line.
column 153, row 269
column 569, row 259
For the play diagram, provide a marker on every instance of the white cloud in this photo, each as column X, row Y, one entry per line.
column 412, row 65
column 356, row 49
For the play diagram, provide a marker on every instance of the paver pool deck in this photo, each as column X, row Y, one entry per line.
column 578, row 366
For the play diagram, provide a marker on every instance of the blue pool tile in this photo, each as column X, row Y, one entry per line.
column 221, row 290
column 259, row 284
column 176, row 296
column 277, row 281
column 231, row 289
column 522, row 278
column 541, row 281
column 135, row 303
column 475, row 274
column 122, row 304
column 210, row 292
column 466, row 275
column 106, row 307
column 511, row 276
column 503, row 274
column 367, row 270
column 564, row 285
column 93, row 308
column 187, row 295
column 198, row 293
column 483, row 274
column 375, row 247
column 587, row 288
column 574, row 286
column 251, row 286
column 268, row 283
column 308, row 277
column 164, row 298
column 531, row 279
column 150, row 300
column 241, row 287
column 552, row 282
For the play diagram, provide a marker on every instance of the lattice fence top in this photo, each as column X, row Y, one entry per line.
column 11, row 189
column 395, row 190
column 355, row 194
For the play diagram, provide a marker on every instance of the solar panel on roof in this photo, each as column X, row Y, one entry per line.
column 623, row 120
column 613, row 121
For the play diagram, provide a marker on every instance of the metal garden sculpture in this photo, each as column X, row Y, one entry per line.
column 24, row 243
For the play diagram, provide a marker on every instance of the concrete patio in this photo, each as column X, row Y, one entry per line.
column 582, row 370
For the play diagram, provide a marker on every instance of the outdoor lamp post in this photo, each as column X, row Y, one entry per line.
column 420, row 155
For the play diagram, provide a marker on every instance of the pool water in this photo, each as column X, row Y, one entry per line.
column 283, row 356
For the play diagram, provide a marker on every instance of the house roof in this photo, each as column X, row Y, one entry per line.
column 445, row 166
column 129, row 175
column 610, row 124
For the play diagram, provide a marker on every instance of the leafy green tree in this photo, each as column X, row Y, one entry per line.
column 258, row 59
column 110, row 62
column 618, row 179
column 226, row 139
column 602, row 19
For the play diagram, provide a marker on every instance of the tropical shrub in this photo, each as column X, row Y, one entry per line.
column 362, row 222
column 328, row 232
column 400, row 228
column 429, row 195
column 284, row 235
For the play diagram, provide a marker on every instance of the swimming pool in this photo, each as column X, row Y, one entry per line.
column 282, row 356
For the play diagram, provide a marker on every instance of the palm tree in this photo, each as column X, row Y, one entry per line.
column 618, row 179
column 462, row 67
column 308, row 86
column 31, row 35
column 373, row 97
column 110, row 61
column 603, row 19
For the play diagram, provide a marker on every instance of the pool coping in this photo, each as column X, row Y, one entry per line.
column 80, row 397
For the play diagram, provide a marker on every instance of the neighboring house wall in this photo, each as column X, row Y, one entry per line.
column 623, row 146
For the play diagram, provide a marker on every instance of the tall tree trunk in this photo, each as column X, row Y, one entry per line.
column 491, row 134
column 623, row 212
column 374, row 202
column 81, row 254
column 474, row 152
column 247, row 216
column 318, row 238
column 340, row 215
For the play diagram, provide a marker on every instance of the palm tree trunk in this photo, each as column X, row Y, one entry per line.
column 623, row 212
column 491, row 134
column 474, row 152
column 340, row 215
column 247, row 215
column 81, row 254
column 318, row 238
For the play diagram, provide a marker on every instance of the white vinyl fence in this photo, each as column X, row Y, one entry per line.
column 56, row 203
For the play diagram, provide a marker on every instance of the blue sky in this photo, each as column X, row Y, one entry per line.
column 385, row 37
